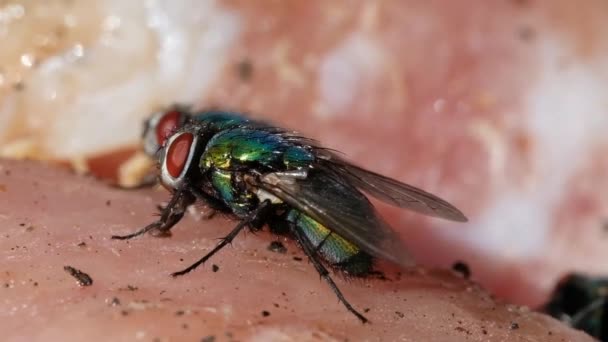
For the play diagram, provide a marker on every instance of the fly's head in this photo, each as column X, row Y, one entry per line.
column 161, row 125
column 180, row 156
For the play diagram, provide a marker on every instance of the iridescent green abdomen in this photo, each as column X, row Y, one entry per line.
column 338, row 252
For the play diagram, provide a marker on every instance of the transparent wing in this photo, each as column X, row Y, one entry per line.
column 394, row 192
column 340, row 207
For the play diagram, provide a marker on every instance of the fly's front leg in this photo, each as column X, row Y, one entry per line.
column 169, row 216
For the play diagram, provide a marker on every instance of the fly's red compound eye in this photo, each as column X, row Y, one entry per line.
column 167, row 125
column 177, row 155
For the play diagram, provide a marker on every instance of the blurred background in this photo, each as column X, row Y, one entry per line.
column 499, row 107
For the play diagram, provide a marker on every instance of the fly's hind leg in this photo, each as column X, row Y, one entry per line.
column 313, row 256
column 169, row 216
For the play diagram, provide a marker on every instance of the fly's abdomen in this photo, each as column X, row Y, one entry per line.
column 336, row 250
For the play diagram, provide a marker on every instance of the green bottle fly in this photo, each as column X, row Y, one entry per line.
column 266, row 176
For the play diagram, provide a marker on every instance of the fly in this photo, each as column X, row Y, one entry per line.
column 266, row 176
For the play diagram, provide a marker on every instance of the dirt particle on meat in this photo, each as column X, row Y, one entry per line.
column 114, row 302
column 297, row 258
column 82, row 244
column 526, row 33
column 461, row 329
column 82, row 278
column 265, row 313
column 210, row 338
column 245, row 69
column 277, row 247
column 215, row 268
column 462, row 268
column 514, row 326
column 400, row 314
column 30, row 228
column 129, row 288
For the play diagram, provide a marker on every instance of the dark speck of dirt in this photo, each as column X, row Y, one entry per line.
column 265, row 313
column 277, row 247
column 461, row 329
column 521, row 2
column 179, row 313
column 114, row 302
column 30, row 228
column 22, row 224
column 400, row 314
column 514, row 326
column 108, row 203
column 82, row 278
column 19, row 86
column 245, row 70
column 462, row 268
column 526, row 33
column 297, row 258
column 35, row 283
column 82, row 244
column 378, row 275
column 366, row 310
column 215, row 268
column 209, row 338
column 129, row 288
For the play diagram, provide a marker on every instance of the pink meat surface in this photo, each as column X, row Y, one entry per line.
column 52, row 218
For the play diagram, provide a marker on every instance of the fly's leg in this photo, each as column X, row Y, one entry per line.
column 169, row 216
column 588, row 310
column 312, row 256
column 254, row 220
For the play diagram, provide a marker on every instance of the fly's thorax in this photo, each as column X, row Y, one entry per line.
column 219, row 120
column 232, row 188
column 247, row 147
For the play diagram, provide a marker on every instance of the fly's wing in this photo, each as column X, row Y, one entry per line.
column 392, row 191
column 340, row 207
